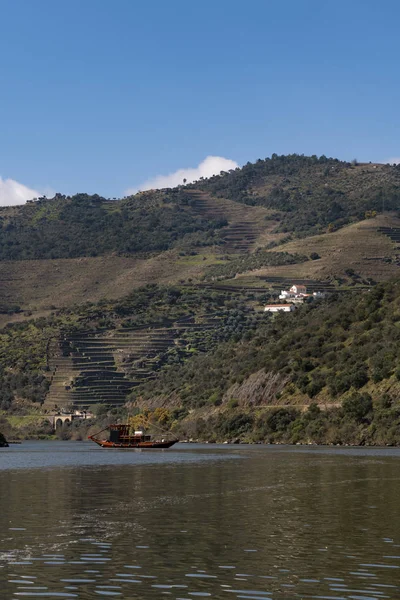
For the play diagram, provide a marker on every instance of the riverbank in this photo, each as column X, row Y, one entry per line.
column 356, row 422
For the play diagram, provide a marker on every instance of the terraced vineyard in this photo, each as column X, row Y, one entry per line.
column 312, row 285
column 8, row 300
column 103, row 366
column 261, row 284
column 245, row 223
column 391, row 232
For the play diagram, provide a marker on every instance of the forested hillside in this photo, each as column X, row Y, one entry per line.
column 310, row 193
column 321, row 351
column 83, row 225
column 330, row 372
column 305, row 195
column 342, row 353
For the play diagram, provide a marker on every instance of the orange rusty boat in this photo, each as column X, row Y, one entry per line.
column 121, row 436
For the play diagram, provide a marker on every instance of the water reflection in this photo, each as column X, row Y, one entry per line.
column 279, row 523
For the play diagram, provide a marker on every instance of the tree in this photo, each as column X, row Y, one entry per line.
column 357, row 406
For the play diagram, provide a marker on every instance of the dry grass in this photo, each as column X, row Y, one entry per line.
column 38, row 285
column 351, row 247
column 41, row 285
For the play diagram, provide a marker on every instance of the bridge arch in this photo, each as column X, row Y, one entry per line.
column 61, row 421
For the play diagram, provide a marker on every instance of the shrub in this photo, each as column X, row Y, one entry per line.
column 357, row 406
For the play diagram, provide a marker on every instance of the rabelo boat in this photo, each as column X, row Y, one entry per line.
column 122, row 436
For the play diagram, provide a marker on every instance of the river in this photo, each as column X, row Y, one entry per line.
column 253, row 522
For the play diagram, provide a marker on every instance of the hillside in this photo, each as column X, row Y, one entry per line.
column 361, row 253
column 223, row 228
column 66, row 250
column 156, row 300
column 236, row 210
column 310, row 194
column 96, row 353
column 82, row 225
column 212, row 365
column 340, row 358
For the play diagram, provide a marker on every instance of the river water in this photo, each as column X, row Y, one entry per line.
column 254, row 522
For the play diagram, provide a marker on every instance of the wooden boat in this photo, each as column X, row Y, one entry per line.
column 121, row 436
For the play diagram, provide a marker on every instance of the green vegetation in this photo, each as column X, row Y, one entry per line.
column 83, row 225
column 357, row 422
column 21, row 426
column 306, row 195
column 24, row 346
column 310, row 194
column 23, row 362
column 251, row 375
column 247, row 262
column 341, row 349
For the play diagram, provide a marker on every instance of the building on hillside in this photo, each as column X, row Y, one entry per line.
column 296, row 294
column 298, row 290
column 285, row 295
column 273, row 308
column 299, row 299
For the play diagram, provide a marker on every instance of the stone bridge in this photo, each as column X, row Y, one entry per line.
column 63, row 420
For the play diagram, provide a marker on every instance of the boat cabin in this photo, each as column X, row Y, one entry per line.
column 123, row 433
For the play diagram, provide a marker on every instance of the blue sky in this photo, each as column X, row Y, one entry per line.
column 104, row 95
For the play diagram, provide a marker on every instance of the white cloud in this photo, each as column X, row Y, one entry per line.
column 393, row 161
column 211, row 165
column 12, row 192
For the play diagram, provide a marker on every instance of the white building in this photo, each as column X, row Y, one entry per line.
column 297, row 294
column 285, row 295
column 298, row 299
column 273, row 308
column 298, row 290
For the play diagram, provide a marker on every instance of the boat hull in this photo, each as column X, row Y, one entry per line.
column 134, row 446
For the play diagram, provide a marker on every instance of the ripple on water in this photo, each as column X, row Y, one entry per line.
column 127, row 580
column 78, row 580
column 36, row 587
column 109, row 587
column 253, row 593
column 47, row 594
column 201, row 575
